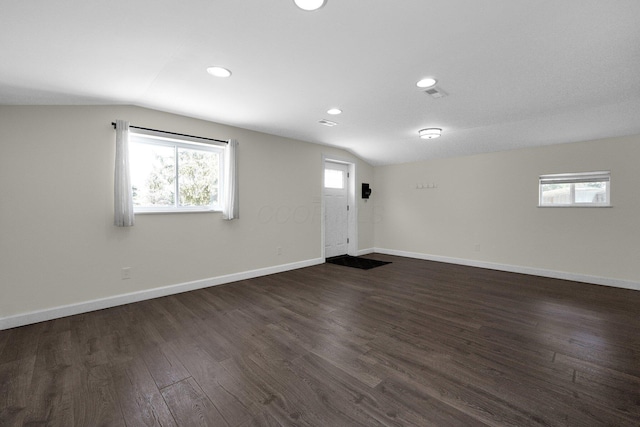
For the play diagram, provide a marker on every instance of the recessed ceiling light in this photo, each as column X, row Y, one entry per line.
column 218, row 71
column 430, row 133
column 334, row 111
column 310, row 5
column 427, row 82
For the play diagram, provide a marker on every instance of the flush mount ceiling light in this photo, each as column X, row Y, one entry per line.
column 430, row 133
column 328, row 123
column 218, row 71
column 427, row 82
column 310, row 5
column 334, row 111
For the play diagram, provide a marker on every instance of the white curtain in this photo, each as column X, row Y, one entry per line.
column 230, row 203
column 123, row 201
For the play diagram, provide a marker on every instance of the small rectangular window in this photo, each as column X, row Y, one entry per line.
column 173, row 175
column 333, row 178
column 575, row 189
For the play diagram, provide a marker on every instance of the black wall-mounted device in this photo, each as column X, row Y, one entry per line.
column 366, row 190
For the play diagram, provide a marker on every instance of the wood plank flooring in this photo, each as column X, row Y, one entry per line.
column 412, row 343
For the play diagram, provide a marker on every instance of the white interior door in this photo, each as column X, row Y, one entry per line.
column 336, row 209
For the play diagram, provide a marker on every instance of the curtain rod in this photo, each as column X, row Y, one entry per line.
column 174, row 133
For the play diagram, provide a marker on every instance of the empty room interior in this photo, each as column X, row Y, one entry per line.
column 320, row 213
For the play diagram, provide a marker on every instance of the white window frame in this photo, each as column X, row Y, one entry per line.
column 143, row 136
column 575, row 178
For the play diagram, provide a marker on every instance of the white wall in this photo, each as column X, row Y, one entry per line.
column 58, row 246
column 490, row 200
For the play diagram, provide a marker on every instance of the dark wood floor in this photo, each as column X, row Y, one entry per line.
column 412, row 343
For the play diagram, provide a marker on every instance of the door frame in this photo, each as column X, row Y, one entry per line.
column 352, row 223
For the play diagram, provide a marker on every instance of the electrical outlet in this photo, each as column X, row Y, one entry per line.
column 279, row 250
column 126, row 273
column 477, row 247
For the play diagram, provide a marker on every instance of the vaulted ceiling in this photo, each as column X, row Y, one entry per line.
column 516, row 73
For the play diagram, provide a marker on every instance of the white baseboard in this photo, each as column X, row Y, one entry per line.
column 365, row 251
column 99, row 304
column 102, row 303
column 596, row 280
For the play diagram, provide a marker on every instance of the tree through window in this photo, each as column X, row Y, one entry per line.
column 169, row 174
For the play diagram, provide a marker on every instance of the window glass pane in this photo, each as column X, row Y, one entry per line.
column 555, row 194
column 152, row 175
column 576, row 189
column 333, row 178
column 591, row 192
column 197, row 177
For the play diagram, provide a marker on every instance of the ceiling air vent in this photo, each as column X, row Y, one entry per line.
column 435, row 93
column 327, row 122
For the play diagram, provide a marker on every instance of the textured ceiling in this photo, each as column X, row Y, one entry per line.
column 517, row 73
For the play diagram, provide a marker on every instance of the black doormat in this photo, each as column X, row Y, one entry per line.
column 356, row 262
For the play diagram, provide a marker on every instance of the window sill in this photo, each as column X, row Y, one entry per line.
column 175, row 211
column 575, row 206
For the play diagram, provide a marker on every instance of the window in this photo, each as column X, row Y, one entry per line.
column 333, row 178
column 575, row 189
column 171, row 174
